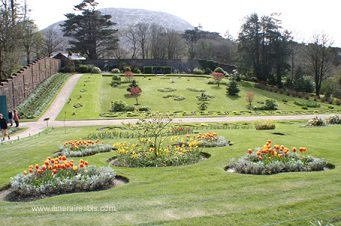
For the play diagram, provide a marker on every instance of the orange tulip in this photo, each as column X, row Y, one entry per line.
column 54, row 171
column 37, row 166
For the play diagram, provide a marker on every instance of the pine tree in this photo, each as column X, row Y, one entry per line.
column 232, row 88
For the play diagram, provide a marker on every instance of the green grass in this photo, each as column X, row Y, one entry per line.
column 100, row 94
column 87, row 92
column 199, row 194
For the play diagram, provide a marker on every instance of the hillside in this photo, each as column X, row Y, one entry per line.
column 124, row 18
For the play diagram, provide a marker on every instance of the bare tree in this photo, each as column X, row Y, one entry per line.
column 175, row 45
column 142, row 33
column 131, row 35
column 319, row 59
column 52, row 43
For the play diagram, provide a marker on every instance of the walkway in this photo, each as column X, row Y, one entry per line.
column 34, row 128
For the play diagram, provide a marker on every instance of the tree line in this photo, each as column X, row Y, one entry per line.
column 263, row 51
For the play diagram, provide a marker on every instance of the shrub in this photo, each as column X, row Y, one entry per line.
column 136, row 70
column 83, row 68
column 96, row 70
column 232, row 89
column 148, row 70
column 316, row 121
column 166, row 89
column 198, row 71
column 60, row 175
column 335, row 119
column 268, row 105
column 265, row 125
column 276, row 159
column 115, row 71
column 208, row 71
column 307, row 103
column 220, row 70
column 121, row 106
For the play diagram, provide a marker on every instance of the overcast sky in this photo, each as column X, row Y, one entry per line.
column 303, row 17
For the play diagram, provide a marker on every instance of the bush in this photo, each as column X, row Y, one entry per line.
column 96, row 70
column 220, row 70
column 148, row 70
column 269, row 105
column 232, row 88
column 265, row 125
column 307, row 103
column 118, row 106
column 60, row 175
column 136, row 70
column 276, row 159
column 208, row 71
column 83, row 68
column 198, row 71
column 335, row 119
column 115, row 71
column 316, row 121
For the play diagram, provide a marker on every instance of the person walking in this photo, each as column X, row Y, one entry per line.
column 10, row 117
column 3, row 126
column 16, row 118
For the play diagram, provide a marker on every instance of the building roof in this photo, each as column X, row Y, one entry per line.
column 73, row 56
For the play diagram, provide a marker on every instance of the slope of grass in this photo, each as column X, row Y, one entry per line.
column 86, row 94
column 199, row 194
column 99, row 95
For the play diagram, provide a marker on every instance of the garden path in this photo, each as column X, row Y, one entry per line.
column 37, row 127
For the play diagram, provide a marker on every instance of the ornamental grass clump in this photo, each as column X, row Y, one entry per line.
column 211, row 139
column 79, row 148
column 61, row 175
column 276, row 159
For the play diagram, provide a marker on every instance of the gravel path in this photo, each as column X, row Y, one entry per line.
column 37, row 127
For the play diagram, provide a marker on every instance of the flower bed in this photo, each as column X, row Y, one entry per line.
column 79, row 148
column 60, row 175
column 35, row 104
column 185, row 151
column 276, row 159
column 211, row 139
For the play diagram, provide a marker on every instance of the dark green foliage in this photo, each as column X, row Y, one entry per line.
column 92, row 33
column 83, row 68
column 269, row 105
column 220, row 70
column 263, row 48
column 307, row 103
column 232, row 88
column 157, row 70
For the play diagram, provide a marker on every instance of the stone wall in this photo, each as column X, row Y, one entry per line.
column 21, row 84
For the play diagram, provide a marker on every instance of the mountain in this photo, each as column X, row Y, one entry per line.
column 124, row 18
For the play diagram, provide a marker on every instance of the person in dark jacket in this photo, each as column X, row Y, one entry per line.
column 10, row 117
column 3, row 126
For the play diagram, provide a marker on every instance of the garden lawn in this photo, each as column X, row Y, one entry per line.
column 84, row 100
column 199, row 194
column 99, row 97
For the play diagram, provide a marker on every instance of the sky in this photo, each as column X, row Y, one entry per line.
column 303, row 18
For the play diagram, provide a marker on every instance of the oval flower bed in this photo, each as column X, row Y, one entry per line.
column 183, row 152
column 211, row 139
column 60, row 175
column 79, row 148
column 276, row 159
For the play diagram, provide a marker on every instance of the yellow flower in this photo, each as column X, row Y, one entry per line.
column 75, row 168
